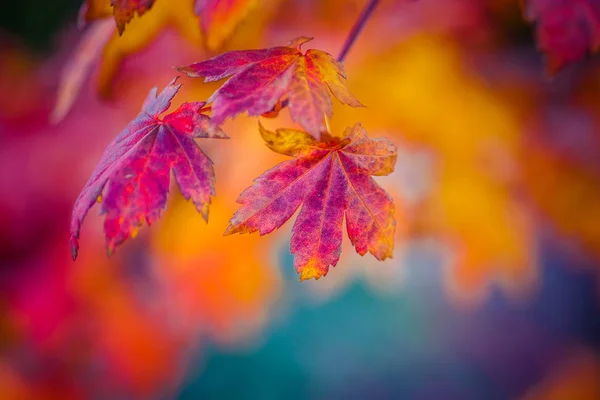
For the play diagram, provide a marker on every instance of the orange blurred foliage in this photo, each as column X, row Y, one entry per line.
column 432, row 100
column 578, row 377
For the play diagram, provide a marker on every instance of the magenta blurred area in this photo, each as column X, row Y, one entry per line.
column 493, row 291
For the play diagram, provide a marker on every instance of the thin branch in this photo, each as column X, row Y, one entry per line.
column 358, row 26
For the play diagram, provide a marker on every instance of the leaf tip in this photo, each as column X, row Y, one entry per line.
column 230, row 230
column 74, row 247
column 203, row 210
column 389, row 253
column 183, row 70
column 188, row 71
column 174, row 81
column 312, row 269
column 120, row 26
column 299, row 41
column 57, row 114
column 239, row 228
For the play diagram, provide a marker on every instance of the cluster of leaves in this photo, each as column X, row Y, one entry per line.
column 329, row 176
column 471, row 184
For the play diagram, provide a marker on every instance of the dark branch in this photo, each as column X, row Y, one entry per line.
column 358, row 26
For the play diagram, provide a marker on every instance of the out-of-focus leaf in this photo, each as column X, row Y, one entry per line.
column 224, row 293
column 220, row 17
column 98, row 47
column 261, row 78
column 473, row 134
column 177, row 14
column 92, row 10
column 567, row 30
column 133, row 177
column 123, row 10
column 11, row 384
column 332, row 180
column 576, row 378
column 78, row 68
column 174, row 14
column 562, row 176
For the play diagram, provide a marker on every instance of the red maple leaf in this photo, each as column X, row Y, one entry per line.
column 567, row 30
column 133, row 176
column 261, row 78
column 332, row 180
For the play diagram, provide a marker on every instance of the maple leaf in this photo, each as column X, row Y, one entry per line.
column 567, row 30
column 332, row 180
column 123, row 10
column 133, row 176
column 220, row 17
column 261, row 78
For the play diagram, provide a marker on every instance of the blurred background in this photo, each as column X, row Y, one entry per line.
column 493, row 291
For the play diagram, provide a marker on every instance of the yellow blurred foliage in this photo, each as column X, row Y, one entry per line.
column 567, row 193
column 225, row 284
column 175, row 14
column 423, row 91
column 220, row 18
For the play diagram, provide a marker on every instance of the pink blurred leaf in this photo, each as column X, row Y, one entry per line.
column 78, row 68
column 567, row 30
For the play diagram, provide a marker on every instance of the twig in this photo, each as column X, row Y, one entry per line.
column 358, row 26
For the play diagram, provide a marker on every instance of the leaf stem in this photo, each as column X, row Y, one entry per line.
column 357, row 28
